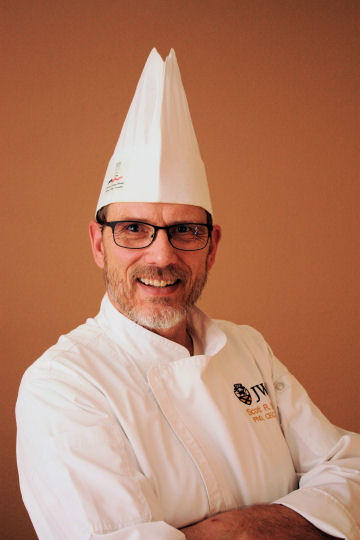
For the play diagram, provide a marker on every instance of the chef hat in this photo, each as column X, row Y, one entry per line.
column 157, row 157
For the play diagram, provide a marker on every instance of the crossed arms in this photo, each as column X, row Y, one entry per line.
column 251, row 523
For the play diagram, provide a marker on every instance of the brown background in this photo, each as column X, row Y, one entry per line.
column 272, row 87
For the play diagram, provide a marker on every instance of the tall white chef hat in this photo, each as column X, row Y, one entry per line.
column 157, row 157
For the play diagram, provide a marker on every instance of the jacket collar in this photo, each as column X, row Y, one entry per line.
column 141, row 343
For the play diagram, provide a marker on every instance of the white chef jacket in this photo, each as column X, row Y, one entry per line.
column 123, row 435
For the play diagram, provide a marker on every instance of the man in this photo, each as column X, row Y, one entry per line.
column 152, row 421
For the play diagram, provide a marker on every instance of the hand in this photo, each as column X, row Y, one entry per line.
column 273, row 521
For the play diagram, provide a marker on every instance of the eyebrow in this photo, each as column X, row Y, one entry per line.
column 177, row 222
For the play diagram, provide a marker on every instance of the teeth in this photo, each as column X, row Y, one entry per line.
column 156, row 282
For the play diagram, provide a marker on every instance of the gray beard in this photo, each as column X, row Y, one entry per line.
column 164, row 315
column 167, row 318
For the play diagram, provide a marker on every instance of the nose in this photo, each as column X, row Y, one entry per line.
column 160, row 252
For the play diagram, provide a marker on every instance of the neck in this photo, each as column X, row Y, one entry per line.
column 179, row 334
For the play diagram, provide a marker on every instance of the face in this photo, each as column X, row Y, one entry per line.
column 154, row 286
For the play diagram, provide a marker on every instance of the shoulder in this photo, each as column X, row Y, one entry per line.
column 249, row 344
column 71, row 380
column 72, row 345
column 72, row 362
column 241, row 333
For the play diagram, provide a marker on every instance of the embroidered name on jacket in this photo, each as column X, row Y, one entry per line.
column 264, row 410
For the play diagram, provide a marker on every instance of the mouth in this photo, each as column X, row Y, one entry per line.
column 158, row 283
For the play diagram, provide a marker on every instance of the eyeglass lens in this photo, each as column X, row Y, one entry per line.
column 186, row 236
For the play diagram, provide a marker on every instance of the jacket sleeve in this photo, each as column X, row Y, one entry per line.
column 78, row 474
column 326, row 459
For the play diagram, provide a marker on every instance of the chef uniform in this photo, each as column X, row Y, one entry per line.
column 123, row 435
column 123, row 432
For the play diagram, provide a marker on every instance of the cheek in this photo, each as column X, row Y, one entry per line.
column 119, row 259
column 197, row 267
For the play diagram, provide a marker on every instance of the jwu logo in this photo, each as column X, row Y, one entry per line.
column 246, row 396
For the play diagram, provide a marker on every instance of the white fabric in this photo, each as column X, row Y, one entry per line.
column 122, row 433
column 157, row 157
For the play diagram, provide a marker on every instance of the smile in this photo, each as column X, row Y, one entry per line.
column 157, row 283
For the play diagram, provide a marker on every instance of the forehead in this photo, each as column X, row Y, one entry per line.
column 157, row 213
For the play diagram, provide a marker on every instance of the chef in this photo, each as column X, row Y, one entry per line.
column 152, row 421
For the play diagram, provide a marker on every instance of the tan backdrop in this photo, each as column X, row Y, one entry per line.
column 272, row 87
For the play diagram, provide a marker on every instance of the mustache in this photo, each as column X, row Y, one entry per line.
column 170, row 272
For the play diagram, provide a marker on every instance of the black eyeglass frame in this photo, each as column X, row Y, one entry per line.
column 112, row 225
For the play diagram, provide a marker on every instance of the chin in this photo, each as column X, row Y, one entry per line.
column 164, row 318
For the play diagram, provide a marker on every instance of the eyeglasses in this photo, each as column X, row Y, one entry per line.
column 139, row 235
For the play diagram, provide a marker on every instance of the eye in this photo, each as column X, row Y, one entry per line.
column 183, row 228
column 189, row 231
column 133, row 227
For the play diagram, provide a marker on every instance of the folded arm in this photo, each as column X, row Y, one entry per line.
column 255, row 522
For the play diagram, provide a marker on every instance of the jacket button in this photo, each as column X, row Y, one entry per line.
column 279, row 386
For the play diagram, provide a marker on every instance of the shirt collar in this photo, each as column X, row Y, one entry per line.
column 148, row 347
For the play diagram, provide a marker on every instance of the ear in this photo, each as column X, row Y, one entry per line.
column 97, row 245
column 214, row 242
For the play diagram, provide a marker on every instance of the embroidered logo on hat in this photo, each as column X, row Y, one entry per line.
column 116, row 181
